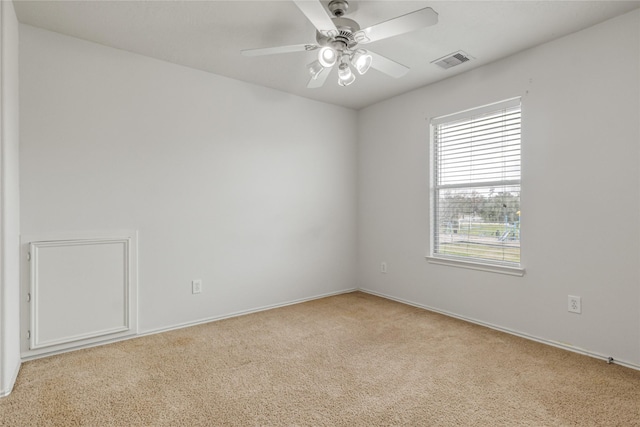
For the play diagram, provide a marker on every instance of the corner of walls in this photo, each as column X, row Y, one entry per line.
column 9, row 201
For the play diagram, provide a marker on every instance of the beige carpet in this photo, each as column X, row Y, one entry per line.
column 349, row 360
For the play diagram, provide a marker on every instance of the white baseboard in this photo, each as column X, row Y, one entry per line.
column 12, row 382
column 344, row 291
column 243, row 312
column 193, row 323
column 506, row 330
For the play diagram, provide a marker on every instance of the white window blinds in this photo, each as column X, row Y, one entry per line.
column 476, row 184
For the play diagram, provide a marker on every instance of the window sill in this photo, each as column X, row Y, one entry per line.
column 502, row 269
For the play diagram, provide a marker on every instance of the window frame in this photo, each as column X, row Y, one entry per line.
column 517, row 269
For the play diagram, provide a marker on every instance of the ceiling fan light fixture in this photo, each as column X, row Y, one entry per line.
column 361, row 61
column 327, row 57
column 315, row 69
column 345, row 76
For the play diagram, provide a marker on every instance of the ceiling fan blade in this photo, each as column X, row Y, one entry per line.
column 396, row 26
column 314, row 11
column 279, row 49
column 319, row 81
column 387, row 66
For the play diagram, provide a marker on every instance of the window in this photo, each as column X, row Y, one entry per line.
column 476, row 187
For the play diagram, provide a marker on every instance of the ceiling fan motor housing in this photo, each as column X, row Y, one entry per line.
column 345, row 39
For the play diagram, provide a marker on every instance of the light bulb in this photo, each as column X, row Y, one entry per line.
column 327, row 57
column 345, row 76
column 315, row 69
column 361, row 60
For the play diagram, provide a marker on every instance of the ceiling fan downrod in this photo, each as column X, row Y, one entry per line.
column 338, row 7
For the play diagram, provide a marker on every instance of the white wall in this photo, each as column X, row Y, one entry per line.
column 247, row 188
column 235, row 184
column 9, row 201
column 580, row 193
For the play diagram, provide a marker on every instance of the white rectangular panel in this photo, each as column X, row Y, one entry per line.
column 80, row 289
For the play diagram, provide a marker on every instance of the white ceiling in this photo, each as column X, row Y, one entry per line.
column 208, row 35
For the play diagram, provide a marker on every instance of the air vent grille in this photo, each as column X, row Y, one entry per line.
column 452, row 59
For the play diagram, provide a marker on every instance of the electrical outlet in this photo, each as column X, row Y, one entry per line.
column 196, row 286
column 575, row 304
column 383, row 267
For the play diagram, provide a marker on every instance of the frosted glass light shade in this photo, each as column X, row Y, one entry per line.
column 345, row 76
column 315, row 69
column 327, row 57
column 361, row 61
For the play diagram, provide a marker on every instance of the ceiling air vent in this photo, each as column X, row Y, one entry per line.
column 452, row 59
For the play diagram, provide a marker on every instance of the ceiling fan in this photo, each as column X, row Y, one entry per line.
column 338, row 41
